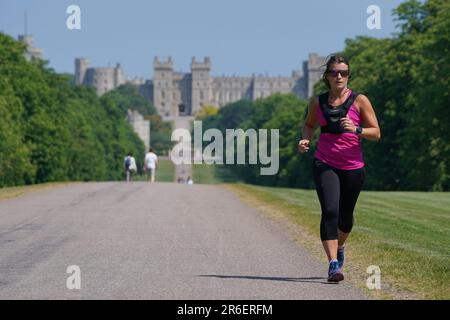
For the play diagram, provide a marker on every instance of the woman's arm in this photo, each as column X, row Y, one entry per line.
column 310, row 125
column 371, row 130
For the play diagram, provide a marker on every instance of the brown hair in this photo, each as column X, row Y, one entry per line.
column 332, row 60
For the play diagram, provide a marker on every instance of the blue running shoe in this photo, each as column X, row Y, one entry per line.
column 334, row 272
column 340, row 257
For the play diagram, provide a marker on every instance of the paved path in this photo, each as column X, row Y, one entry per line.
column 151, row 241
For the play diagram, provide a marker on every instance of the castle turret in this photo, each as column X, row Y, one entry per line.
column 81, row 66
column 163, row 87
column 314, row 70
column 201, row 84
column 31, row 52
column 118, row 76
column 140, row 126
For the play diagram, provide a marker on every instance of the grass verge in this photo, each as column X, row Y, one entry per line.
column 212, row 174
column 404, row 233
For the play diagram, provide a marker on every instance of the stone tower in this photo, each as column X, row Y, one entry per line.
column 81, row 66
column 163, row 87
column 315, row 68
column 201, row 84
column 31, row 52
column 140, row 126
column 118, row 76
column 101, row 79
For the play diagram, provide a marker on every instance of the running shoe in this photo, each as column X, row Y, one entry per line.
column 334, row 272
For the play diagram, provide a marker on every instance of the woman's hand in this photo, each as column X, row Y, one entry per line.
column 303, row 145
column 348, row 125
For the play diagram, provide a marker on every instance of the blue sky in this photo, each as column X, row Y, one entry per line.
column 241, row 36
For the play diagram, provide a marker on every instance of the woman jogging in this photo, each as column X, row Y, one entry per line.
column 338, row 167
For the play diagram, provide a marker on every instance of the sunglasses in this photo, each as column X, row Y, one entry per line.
column 334, row 73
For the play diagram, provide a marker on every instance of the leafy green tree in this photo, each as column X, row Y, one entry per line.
column 127, row 96
column 52, row 130
column 160, row 134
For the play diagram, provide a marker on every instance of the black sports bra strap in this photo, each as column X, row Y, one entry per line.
column 323, row 101
column 349, row 102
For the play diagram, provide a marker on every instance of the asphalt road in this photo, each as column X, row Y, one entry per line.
column 151, row 241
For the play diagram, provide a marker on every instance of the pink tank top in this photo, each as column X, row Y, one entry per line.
column 343, row 150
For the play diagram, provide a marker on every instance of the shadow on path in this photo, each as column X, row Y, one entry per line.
column 289, row 279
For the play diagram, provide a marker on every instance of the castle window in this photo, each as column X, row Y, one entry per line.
column 201, row 95
column 163, row 95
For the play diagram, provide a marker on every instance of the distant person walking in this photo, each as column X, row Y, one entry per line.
column 344, row 117
column 150, row 163
column 130, row 167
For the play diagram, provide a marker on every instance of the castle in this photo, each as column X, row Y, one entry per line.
column 177, row 94
column 102, row 79
column 30, row 51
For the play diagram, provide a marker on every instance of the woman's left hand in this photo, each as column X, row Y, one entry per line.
column 347, row 124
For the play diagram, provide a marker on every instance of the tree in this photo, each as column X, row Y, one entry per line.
column 206, row 111
column 52, row 130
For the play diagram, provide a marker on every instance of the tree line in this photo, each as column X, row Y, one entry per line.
column 406, row 77
column 52, row 130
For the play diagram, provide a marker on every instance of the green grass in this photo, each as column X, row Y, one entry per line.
column 165, row 171
column 212, row 174
column 406, row 234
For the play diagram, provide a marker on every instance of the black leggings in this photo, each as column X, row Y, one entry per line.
column 338, row 191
